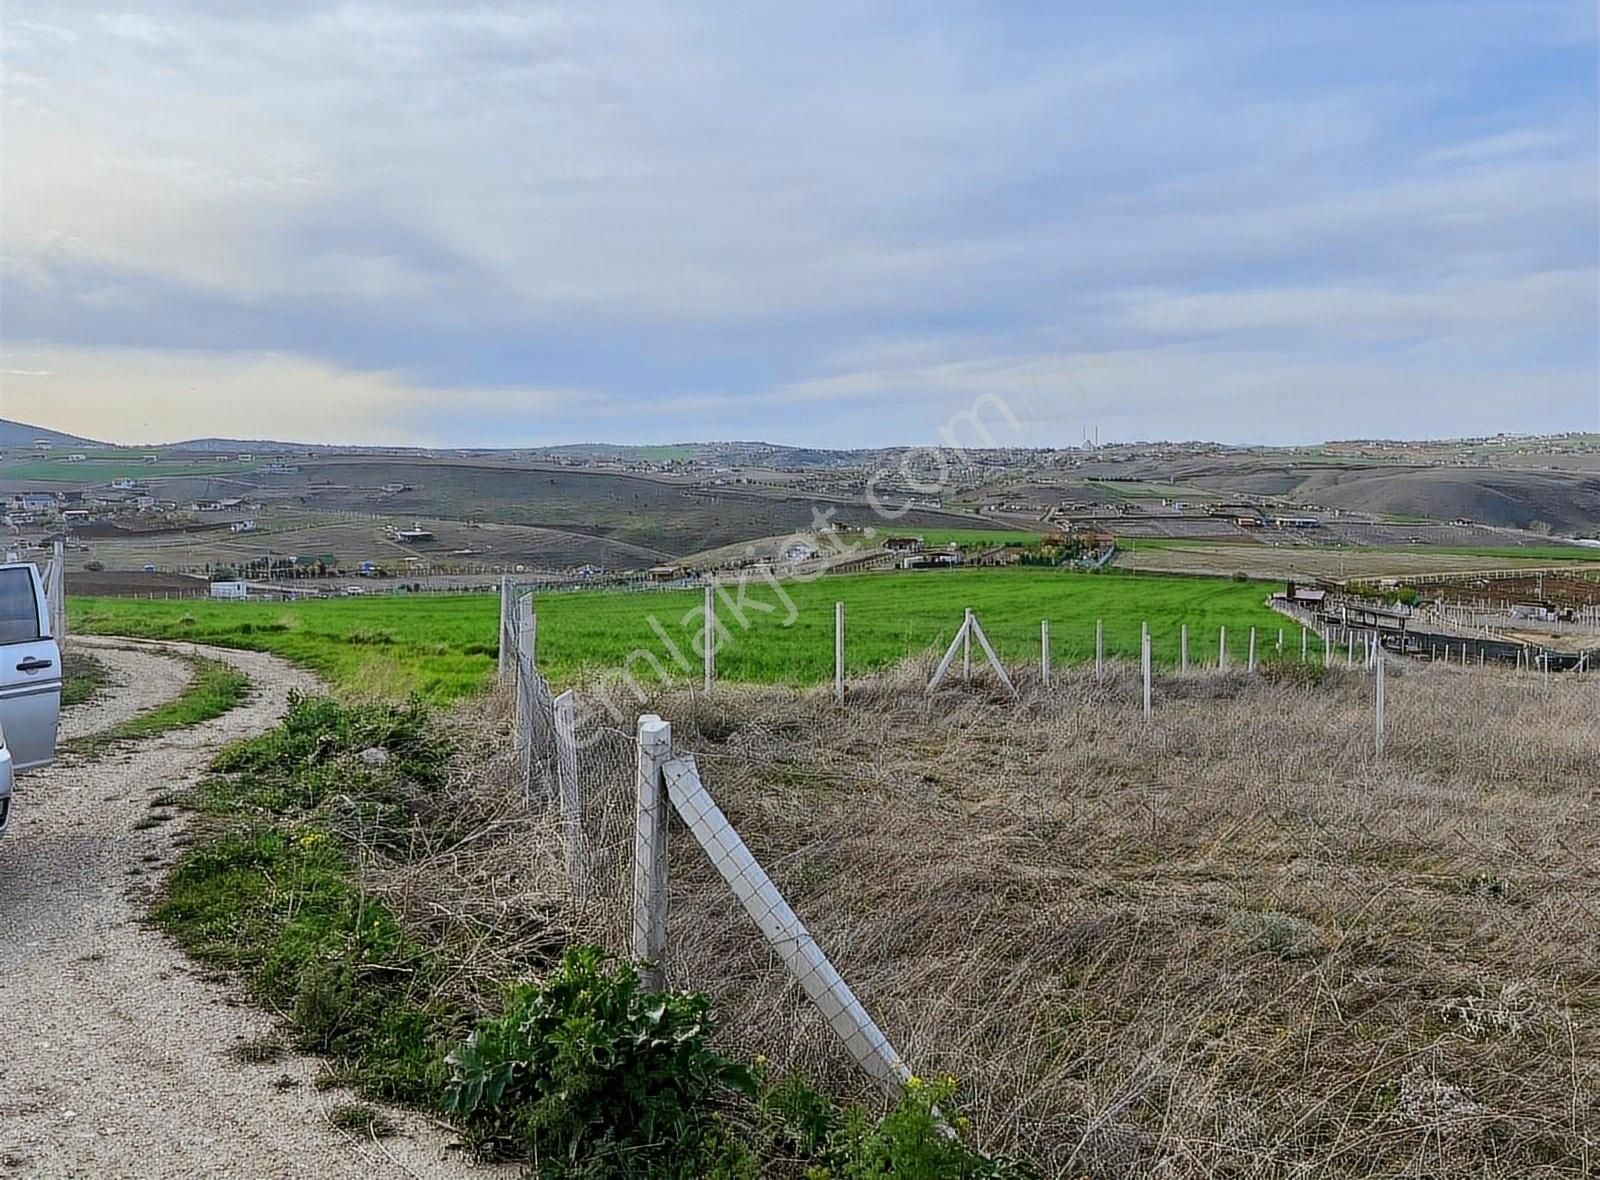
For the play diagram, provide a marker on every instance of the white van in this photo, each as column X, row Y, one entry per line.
column 30, row 679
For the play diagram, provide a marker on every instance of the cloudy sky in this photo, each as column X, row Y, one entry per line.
column 448, row 222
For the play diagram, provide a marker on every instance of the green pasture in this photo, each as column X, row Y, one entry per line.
column 444, row 646
column 97, row 470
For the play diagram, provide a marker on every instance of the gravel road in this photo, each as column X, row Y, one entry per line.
column 139, row 679
column 114, row 1052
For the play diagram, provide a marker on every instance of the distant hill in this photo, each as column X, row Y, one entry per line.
column 19, row 435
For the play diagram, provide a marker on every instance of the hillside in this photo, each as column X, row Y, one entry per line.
column 15, row 435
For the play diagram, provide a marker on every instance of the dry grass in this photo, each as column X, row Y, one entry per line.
column 1224, row 944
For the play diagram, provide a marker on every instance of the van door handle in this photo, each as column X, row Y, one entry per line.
column 33, row 664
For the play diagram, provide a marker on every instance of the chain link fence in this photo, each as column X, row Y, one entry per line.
column 55, row 592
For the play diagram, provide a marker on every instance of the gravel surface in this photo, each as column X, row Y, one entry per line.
column 114, row 1051
column 138, row 679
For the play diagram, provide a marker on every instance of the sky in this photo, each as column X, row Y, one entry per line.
column 449, row 223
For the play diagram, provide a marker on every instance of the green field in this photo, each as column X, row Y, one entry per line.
column 444, row 646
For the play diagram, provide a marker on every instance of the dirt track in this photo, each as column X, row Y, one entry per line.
column 114, row 1052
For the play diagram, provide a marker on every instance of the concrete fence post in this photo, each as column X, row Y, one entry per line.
column 1099, row 649
column 1304, row 637
column 1222, row 648
column 838, row 652
column 650, row 850
column 1183, row 648
column 966, row 648
column 527, row 634
column 505, row 627
column 1144, row 663
column 1251, row 665
column 566, row 726
column 1044, row 651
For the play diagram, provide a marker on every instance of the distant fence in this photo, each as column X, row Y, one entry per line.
column 575, row 769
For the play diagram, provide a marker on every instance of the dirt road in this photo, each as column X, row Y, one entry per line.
column 114, row 1052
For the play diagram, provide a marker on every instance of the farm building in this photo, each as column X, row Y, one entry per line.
column 234, row 590
column 665, row 573
column 414, row 535
column 41, row 445
column 1302, row 596
column 902, row 544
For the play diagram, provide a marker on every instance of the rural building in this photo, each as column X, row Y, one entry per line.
column 242, row 526
column 933, row 559
column 41, row 445
column 799, row 551
column 1303, row 597
column 902, row 544
column 36, row 502
column 1543, row 612
column 414, row 535
column 77, row 458
column 75, row 516
column 665, row 573
column 230, row 590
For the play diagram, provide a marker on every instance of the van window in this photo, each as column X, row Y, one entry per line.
column 19, row 613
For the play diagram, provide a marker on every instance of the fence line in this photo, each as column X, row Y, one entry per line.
column 55, row 591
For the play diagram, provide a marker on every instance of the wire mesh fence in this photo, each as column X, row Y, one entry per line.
column 55, row 591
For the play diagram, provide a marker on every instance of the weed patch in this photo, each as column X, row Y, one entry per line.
column 214, row 688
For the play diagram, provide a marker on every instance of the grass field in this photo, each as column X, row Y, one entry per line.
column 444, row 647
column 95, row 469
column 1221, row 558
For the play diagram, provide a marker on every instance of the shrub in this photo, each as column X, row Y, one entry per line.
column 913, row 1139
column 592, row 1076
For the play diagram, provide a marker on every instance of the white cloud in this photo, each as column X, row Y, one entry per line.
column 147, row 395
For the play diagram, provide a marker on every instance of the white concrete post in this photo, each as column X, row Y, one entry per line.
column 1251, row 665
column 1044, row 651
column 566, row 724
column 1304, row 637
column 838, row 652
column 1099, row 649
column 1183, row 648
column 1280, row 641
column 505, row 629
column 788, row 936
column 1144, row 663
column 1222, row 648
column 650, row 850
column 966, row 648
column 1350, row 649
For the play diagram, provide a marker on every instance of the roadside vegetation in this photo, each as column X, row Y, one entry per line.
column 214, row 688
column 554, row 1056
column 445, row 647
column 83, row 678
